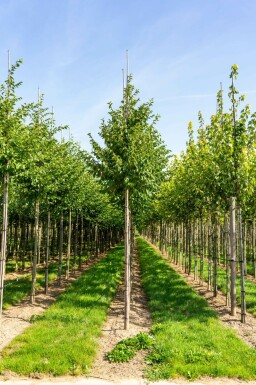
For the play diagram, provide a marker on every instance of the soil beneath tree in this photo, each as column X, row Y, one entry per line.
column 104, row 373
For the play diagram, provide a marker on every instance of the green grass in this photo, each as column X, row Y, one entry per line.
column 64, row 339
column 17, row 289
column 190, row 341
column 250, row 287
column 11, row 265
column 127, row 348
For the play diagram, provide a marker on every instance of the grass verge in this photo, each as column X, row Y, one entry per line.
column 64, row 339
column 189, row 339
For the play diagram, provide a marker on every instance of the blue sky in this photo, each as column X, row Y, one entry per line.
column 179, row 52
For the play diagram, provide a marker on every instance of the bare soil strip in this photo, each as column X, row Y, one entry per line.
column 17, row 318
column 113, row 332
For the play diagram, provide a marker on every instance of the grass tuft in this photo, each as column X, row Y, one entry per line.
column 126, row 349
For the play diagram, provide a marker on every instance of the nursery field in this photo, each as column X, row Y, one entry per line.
column 186, row 339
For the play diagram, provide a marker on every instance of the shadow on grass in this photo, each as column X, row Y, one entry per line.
column 169, row 294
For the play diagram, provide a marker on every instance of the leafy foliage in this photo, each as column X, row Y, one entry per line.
column 133, row 156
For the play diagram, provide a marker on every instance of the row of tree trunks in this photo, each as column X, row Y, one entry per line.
column 221, row 240
column 49, row 238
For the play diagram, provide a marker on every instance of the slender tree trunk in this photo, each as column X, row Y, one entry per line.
column 76, row 239
column 9, row 247
column 23, row 245
column 82, row 236
column 215, row 254
column 47, row 252
column 210, row 242
column 15, row 250
column 39, row 243
column 242, row 266
column 4, row 238
column 201, row 274
column 244, row 248
column 127, row 261
column 189, row 247
column 27, row 251
column 253, row 248
column 69, row 242
column 53, row 242
column 96, row 240
column 195, row 248
column 60, row 248
column 233, row 255
column 36, row 229
column 227, row 243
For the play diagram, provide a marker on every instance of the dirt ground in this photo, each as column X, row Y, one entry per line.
column 103, row 372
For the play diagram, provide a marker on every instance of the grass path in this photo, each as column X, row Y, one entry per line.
column 190, row 341
column 63, row 340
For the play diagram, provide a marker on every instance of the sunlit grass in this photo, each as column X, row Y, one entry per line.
column 64, row 339
column 11, row 265
column 190, row 341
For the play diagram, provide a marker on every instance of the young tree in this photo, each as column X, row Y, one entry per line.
column 131, row 162
column 11, row 124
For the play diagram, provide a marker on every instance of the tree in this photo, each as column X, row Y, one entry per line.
column 131, row 162
column 11, row 123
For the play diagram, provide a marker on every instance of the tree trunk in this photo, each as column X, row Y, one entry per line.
column 209, row 281
column 4, row 238
column 15, row 250
column 82, row 236
column 36, row 229
column 127, row 261
column 227, row 243
column 253, row 248
column 39, row 243
column 242, row 266
column 215, row 254
column 244, row 248
column 69, row 242
column 201, row 274
column 47, row 252
column 233, row 255
column 60, row 248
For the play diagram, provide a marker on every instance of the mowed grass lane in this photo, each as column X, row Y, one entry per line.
column 190, row 341
column 64, row 339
